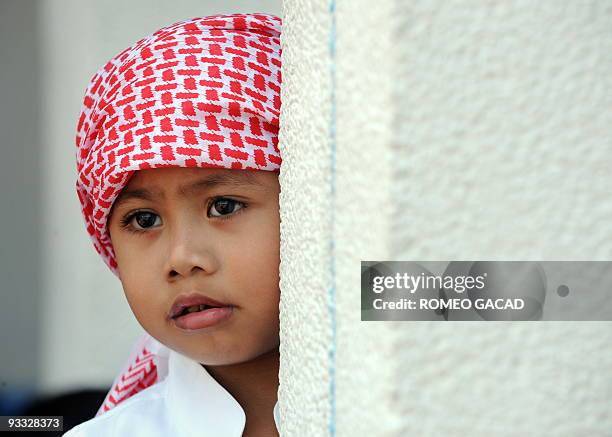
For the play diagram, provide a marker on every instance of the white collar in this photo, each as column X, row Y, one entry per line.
column 202, row 406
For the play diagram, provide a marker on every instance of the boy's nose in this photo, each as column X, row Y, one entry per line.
column 188, row 256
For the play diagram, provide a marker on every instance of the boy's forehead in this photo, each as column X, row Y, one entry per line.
column 185, row 176
column 154, row 183
column 151, row 184
column 151, row 174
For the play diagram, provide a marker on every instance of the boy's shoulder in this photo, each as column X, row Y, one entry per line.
column 144, row 414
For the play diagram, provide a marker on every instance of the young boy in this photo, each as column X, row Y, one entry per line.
column 171, row 133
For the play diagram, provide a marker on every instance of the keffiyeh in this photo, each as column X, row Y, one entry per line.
column 204, row 92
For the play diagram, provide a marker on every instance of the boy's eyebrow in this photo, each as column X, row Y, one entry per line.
column 245, row 179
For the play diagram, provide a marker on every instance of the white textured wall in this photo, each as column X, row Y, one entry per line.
column 305, row 227
column 87, row 326
column 464, row 131
column 335, row 210
column 363, row 213
column 505, row 145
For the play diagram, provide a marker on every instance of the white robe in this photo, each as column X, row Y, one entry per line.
column 188, row 402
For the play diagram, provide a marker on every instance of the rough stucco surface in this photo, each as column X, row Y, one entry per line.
column 305, row 228
column 335, row 178
column 505, row 133
column 464, row 131
column 503, row 152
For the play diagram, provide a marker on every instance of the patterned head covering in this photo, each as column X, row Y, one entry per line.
column 204, row 92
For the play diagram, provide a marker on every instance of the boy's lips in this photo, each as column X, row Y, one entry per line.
column 186, row 300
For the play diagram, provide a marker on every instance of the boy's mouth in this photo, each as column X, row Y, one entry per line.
column 193, row 302
column 194, row 309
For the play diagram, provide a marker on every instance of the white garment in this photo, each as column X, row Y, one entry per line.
column 188, row 402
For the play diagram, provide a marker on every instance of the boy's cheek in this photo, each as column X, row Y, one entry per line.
column 143, row 306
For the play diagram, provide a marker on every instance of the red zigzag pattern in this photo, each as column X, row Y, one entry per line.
column 142, row 373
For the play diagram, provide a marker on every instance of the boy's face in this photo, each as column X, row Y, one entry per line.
column 220, row 239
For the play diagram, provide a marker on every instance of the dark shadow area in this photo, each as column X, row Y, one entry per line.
column 76, row 407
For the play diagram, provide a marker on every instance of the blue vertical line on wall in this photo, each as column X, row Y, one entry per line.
column 332, row 288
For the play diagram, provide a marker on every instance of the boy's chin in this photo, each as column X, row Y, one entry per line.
column 225, row 360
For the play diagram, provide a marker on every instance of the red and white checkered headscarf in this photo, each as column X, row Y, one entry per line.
column 203, row 92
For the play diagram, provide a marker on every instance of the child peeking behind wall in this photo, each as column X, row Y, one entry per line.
column 178, row 163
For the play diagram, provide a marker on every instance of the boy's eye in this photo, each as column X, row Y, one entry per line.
column 142, row 219
column 224, row 206
column 145, row 219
